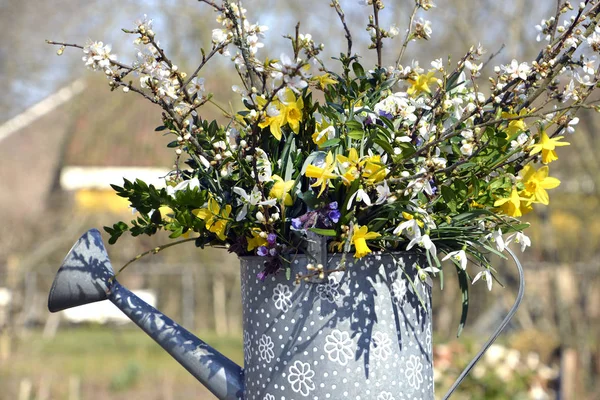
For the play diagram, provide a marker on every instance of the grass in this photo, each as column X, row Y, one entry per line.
column 110, row 363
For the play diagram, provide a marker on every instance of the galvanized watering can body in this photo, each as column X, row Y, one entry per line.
column 364, row 333
column 359, row 334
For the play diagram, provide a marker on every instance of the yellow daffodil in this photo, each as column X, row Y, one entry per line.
column 547, row 146
column 349, row 165
column 323, row 133
column 421, row 83
column 256, row 240
column 322, row 175
column 215, row 218
column 359, row 240
column 324, row 80
column 276, row 120
column 280, row 190
column 515, row 125
column 292, row 109
column 374, row 171
column 514, row 205
column 536, row 183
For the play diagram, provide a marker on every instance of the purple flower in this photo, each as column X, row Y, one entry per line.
column 261, row 276
column 273, row 252
column 262, row 251
column 385, row 114
column 333, row 205
column 296, row 223
column 433, row 186
column 272, row 238
column 334, row 215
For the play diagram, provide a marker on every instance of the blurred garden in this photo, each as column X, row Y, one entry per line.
column 64, row 138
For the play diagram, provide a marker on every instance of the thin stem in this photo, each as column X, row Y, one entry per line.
column 407, row 37
column 340, row 12
column 152, row 251
column 378, row 38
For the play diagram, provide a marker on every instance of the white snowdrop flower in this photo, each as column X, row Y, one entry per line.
column 496, row 238
column 519, row 238
column 383, row 192
column 410, row 228
column 459, row 256
column 361, row 196
column 486, row 276
column 425, row 242
column 260, row 217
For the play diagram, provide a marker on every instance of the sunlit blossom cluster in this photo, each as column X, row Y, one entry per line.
column 388, row 158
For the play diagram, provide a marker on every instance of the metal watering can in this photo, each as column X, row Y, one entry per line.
column 303, row 347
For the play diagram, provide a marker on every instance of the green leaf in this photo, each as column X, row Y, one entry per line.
column 324, row 232
column 356, row 135
column 288, row 273
column 359, row 71
column 449, row 197
column 331, row 143
column 353, row 125
column 463, row 282
column 160, row 128
column 173, row 144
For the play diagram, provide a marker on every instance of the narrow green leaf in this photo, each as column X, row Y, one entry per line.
column 356, row 135
column 463, row 282
column 324, row 232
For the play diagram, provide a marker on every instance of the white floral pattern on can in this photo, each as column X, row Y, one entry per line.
column 300, row 377
column 385, row 396
column 382, row 346
column 338, row 347
column 413, row 371
column 265, row 348
column 269, row 397
column 282, row 297
column 247, row 350
column 399, row 290
column 428, row 340
column 329, row 291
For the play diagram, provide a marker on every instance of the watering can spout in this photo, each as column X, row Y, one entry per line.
column 86, row 276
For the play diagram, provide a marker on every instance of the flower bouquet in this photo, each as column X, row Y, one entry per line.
column 369, row 159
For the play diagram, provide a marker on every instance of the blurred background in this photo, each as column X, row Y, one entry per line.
column 64, row 137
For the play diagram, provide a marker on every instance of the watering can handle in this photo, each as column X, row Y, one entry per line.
column 495, row 335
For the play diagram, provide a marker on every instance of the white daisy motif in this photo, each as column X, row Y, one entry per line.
column 269, row 397
column 300, row 377
column 265, row 348
column 385, row 396
column 382, row 346
column 338, row 347
column 329, row 291
column 247, row 350
column 282, row 297
column 413, row 372
column 399, row 290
